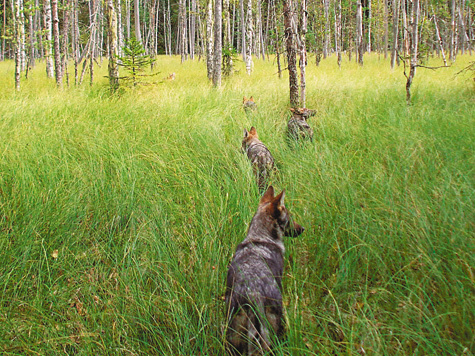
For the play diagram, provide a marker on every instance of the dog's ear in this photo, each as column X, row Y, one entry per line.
column 268, row 195
column 251, row 99
column 244, row 99
column 277, row 205
column 292, row 109
column 246, row 133
column 253, row 131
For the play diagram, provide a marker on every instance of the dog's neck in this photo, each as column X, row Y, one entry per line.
column 258, row 232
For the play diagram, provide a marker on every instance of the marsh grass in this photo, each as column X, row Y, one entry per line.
column 120, row 213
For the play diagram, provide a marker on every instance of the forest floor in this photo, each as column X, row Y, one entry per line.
column 120, row 213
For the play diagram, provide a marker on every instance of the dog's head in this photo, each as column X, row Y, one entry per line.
column 303, row 113
column 274, row 208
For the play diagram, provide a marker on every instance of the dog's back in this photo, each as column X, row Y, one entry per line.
column 254, row 281
column 259, row 155
column 298, row 128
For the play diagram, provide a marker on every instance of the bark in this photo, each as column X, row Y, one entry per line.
column 386, row 28
column 218, row 50
column 453, row 33
column 210, row 40
column 192, row 31
column 249, row 36
column 395, row 33
column 138, row 33
column 303, row 51
column 359, row 32
column 64, row 42
column 290, row 37
column 16, row 10
column 338, row 42
column 112, row 41
column 326, row 44
column 182, row 49
column 414, row 39
column 439, row 40
column 32, row 55
column 56, row 46
column 48, row 28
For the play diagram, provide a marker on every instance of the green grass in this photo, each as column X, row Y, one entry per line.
column 119, row 214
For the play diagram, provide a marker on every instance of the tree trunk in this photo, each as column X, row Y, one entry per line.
column 49, row 38
column 326, row 43
column 182, row 49
column 65, row 43
column 210, row 40
column 289, row 28
column 16, row 10
column 249, row 36
column 453, row 32
column 439, row 40
column 57, row 51
column 218, row 49
column 414, row 39
column 395, row 32
column 112, row 41
column 303, row 51
column 138, row 33
column 359, row 32
column 338, row 42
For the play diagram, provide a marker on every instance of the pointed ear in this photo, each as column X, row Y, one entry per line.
column 253, row 131
column 246, row 133
column 292, row 109
column 279, row 200
column 251, row 98
column 244, row 99
column 268, row 195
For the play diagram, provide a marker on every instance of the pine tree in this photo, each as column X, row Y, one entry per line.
column 134, row 61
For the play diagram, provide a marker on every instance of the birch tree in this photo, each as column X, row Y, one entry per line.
column 290, row 38
column 112, row 44
column 359, row 32
column 218, row 49
column 414, row 41
column 395, row 33
column 16, row 9
column 56, row 46
column 249, row 36
column 303, row 51
column 210, row 40
column 48, row 29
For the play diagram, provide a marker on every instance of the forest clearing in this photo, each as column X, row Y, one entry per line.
column 119, row 213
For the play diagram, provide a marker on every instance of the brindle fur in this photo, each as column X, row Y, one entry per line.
column 254, row 281
column 259, row 155
column 249, row 104
column 298, row 128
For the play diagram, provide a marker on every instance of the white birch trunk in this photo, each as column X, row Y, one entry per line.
column 138, row 32
column 303, row 51
column 218, row 49
column 359, row 32
column 249, row 37
column 48, row 44
column 414, row 37
column 56, row 46
column 210, row 40
column 395, row 33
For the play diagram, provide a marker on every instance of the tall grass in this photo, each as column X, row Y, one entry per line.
column 120, row 213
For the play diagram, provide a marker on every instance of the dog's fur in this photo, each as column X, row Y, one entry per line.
column 249, row 104
column 297, row 127
column 259, row 155
column 254, row 281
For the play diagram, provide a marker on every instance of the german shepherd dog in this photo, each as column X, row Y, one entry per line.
column 249, row 104
column 254, row 282
column 259, row 155
column 298, row 128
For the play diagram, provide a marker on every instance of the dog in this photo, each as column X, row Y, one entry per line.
column 259, row 155
column 170, row 77
column 254, row 280
column 249, row 104
column 297, row 127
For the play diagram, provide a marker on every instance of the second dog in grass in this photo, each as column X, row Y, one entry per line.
column 254, row 281
column 259, row 155
column 297, row 127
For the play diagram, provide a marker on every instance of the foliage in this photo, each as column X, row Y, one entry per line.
column 230, row 56
column 134, row 61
